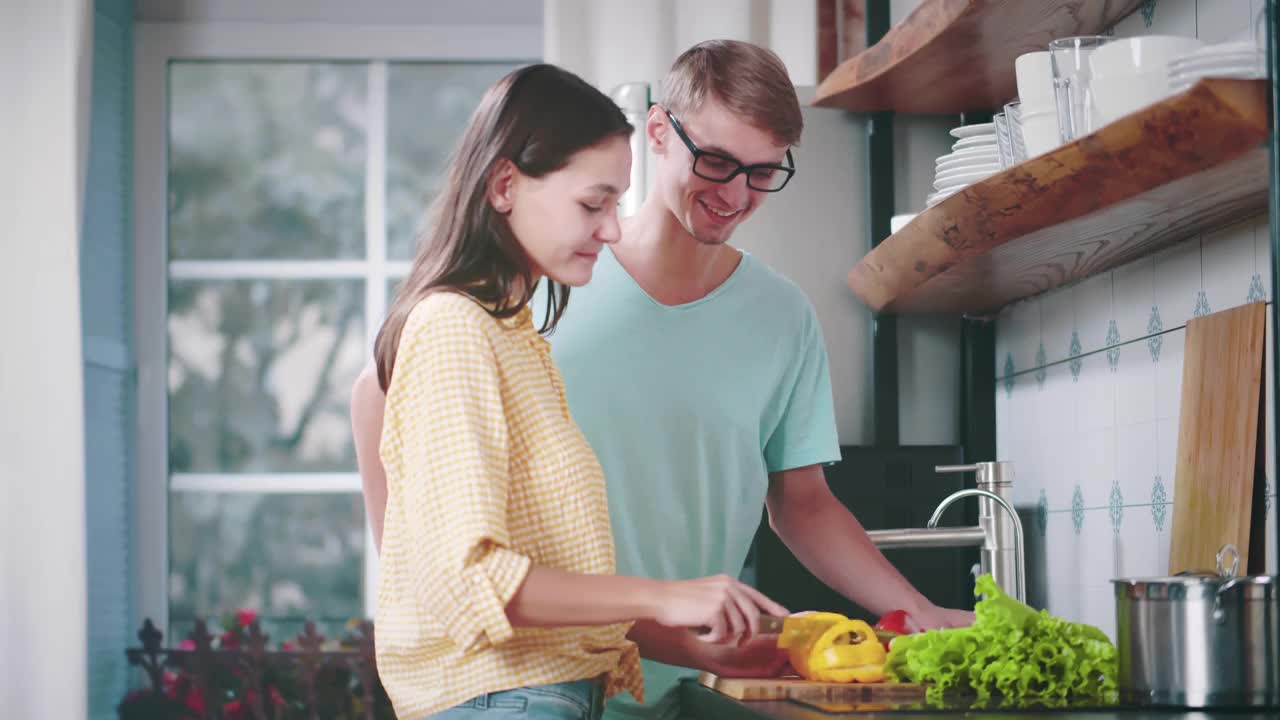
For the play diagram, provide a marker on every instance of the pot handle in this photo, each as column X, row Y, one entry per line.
column 1223, row 569
column 1229, row 573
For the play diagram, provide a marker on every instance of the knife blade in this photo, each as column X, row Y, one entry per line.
column 773, row 625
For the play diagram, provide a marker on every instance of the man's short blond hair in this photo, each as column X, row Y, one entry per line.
column 750, row 81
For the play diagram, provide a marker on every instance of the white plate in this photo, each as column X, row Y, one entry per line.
column 966, row 170
column 965, row 131
column 1240, row 72
column 960, row 181
column 971, row 154
column 938, row 197
column 975, row 142
column 1253, row 61
column 1227, row 48
column 1201, row 69
column 968, row 163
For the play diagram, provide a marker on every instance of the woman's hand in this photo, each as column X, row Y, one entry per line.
column 722, row 608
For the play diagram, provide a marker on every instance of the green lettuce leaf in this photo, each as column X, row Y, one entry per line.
column 1011, row 650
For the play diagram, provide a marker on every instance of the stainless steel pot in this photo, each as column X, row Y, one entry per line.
column 1199, row 639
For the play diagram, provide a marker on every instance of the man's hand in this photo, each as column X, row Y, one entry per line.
column 756, row 657
column 932, row 617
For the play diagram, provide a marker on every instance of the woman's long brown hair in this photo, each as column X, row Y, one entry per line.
column 537, row 117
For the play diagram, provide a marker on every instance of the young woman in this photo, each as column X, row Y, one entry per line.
column 497, row 590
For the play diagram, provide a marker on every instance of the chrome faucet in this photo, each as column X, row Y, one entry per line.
column 999, row 535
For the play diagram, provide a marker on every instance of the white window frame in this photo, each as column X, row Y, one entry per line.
column 155, row 45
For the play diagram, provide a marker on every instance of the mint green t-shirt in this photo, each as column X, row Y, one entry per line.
column 689, row 409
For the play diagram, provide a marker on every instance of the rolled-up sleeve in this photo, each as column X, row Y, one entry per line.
column 446, row 428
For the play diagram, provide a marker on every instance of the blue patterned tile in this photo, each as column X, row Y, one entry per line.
column 1042, row 514
column 1155, row 326
column 1148, row 12
column 1257, row 293
column 1116, row 507
column 1077, row 509
column 1074, row 353
column 1202, row 305
column 1113, row 345
column 1159, row 503
column 1042, row 372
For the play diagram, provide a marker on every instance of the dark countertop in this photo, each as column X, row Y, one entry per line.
column 701, row 703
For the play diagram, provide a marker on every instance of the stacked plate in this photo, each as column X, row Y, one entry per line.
column 973, row 157
column 1224, row 60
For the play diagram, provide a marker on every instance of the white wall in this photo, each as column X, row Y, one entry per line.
column 44, row 47
column 610, row 42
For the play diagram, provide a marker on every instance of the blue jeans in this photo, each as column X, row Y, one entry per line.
column 576, row 700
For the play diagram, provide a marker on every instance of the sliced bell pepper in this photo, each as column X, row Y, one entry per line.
column 893, row 624
column 835, row 650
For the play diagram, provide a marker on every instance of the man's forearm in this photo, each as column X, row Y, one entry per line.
column 828, row 540
column 673, row 646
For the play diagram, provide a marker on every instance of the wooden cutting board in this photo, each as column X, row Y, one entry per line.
column 1218, row 438
column 795, row 688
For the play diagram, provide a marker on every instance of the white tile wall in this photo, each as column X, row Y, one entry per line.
column 1104, row 418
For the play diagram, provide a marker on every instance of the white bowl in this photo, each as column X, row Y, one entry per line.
column 1034, row 73
column 1140, row 54
column 1115, row 96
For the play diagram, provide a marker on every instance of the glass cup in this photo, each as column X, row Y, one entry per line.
column 1002, row 139
column 1071, row 80
column 1013, row 116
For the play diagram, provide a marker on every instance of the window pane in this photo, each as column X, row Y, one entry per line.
column 259, row 374
column 266, row 160
column 393, row 285
column 428, row 107
column 290, row 557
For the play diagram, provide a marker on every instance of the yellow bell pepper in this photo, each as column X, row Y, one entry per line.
column 828, row 647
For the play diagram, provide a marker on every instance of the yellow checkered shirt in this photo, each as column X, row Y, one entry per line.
column 486, row 473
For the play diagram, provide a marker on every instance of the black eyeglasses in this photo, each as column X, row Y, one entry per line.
column 765, row 177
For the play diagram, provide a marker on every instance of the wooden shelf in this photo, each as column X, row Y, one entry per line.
column 952, row 56
column 1189, row 164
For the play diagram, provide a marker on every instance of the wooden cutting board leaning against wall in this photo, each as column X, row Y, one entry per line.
column 1218, row 439
column 800, row 689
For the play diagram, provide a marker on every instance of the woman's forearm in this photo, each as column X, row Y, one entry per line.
column 551, row 597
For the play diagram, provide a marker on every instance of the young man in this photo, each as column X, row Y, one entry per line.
column 699, row 375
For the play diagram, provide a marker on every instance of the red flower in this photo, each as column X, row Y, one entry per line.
column 286, row 645
column 195, row 700
column 187, row 644
column 229, row 640
column 235, row 710
column 244, row 617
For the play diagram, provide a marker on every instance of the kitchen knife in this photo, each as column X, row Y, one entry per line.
column 772, row 625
